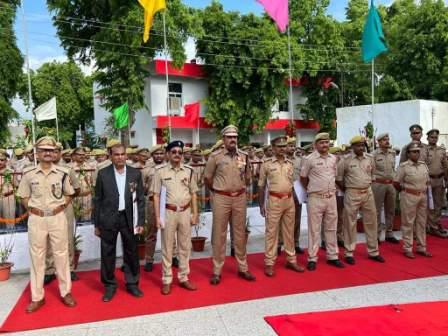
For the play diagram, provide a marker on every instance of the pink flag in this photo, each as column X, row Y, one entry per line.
column 278, row 11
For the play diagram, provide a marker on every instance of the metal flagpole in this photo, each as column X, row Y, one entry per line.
column 30, row 96
column 57, row 123
column 373, row 91
column 129, row 125
column 166, row 75
column 291, row 107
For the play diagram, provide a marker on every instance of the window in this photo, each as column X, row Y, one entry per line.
column 175, row 98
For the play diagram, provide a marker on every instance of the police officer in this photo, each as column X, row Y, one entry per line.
column 187, row 155
column 7, row 186
column 412, row 179
column 70, row 216
column 382, row 187
column 45, row 191
column 227, row 174
column 354, row 177
column 158, row 156
column 181, row 212
column 416, row 136
column 317, row 175
column 276, row 179
column 438, row 172
column 84, row 173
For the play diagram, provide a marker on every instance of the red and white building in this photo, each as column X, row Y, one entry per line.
column 186, row 86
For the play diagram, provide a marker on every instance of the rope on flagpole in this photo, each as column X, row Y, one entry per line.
column 30, row 96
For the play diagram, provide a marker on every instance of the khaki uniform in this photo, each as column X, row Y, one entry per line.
column 297, row 164
column 180, row 184
column 151, row 236
column 356, row 175
column 438, row 170
column 277, row 176
column 70, row 216
column 83, row 201
column 46, row 192
column 413, row 178
column 7, row 197
column 423, row 152
column 321, row 173
column 230, row 175
column 383, row 188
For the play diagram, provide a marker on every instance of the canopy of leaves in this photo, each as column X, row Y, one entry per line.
column 11, row 62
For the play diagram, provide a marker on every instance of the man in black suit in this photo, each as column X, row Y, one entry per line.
column 118, row 187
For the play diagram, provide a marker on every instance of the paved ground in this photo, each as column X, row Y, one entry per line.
column 243, row 318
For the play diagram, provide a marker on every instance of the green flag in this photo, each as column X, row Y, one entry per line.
column 121, row 115
column 373, row 41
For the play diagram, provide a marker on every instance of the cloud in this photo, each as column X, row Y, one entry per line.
column 37, row 62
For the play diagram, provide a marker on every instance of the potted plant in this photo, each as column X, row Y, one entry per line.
column 198, row 242
column 77, row 243
column 6, row 246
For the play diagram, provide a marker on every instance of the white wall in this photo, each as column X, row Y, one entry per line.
column 394, row 118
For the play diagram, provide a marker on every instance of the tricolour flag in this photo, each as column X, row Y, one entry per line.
column 46, row 111
column 121, row 115
column 278, row 11
column 373, row 41
column 151, row 7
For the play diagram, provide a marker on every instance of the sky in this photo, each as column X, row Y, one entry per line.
column 44, row 45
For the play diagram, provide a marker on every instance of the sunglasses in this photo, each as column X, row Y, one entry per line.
column 176, row 152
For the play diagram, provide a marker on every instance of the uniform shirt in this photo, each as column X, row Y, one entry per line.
column 229, row 172
column 413, row 175
column 85, row 175
column 356, row 172
column 320, row 171
column 45, row 190
column 147, row 176
column 71, row 172
column 180, row 183
column 120, row 179
column 384, row 164
column 277, row 174
column 423, row 153
column 436, row 160
column 198, row 169
column 297, row 163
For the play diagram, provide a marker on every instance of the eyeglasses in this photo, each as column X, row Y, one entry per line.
column 176, row 152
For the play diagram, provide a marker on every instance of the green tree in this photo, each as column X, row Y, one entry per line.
column 110, row 34
column 11, row 63
column 73, row 92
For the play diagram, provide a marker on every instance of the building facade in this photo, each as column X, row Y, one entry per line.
column 186, row 86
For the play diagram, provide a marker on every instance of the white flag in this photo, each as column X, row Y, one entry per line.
column 46, row 111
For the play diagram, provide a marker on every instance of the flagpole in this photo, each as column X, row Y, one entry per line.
column 373, row 92
column 30, row 96
column 57, row 128
column 129, row 125
column 165, row 43
column 291, row 107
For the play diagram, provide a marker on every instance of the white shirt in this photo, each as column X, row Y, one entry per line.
column 121, row 185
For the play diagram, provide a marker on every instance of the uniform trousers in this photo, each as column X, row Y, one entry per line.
column 43, row 232
column 226, row 209
column 356, row 200
column 385, row 196
column 413, row 220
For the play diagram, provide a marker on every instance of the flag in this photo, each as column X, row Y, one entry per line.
column 121, row 115
column 46, row 111
column 192, row 112
column 278, row 11
column 373, row 41
column 151, row 7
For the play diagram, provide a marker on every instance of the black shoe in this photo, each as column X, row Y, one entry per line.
column 323, row 246
column 175, row 262
column 299, row 250
column 232, row 252
column 392, row 240
column 134, row 291
column 109, row 294
column 341, row 243
column 148, row 267
column 377, row 258
column 279, row 250
column 311, row 266
column 350, row 260
column 74, row 276
column 336, row 263
column 49, row 278
column 123, row 268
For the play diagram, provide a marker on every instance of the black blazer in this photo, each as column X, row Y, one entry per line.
column 106, row 200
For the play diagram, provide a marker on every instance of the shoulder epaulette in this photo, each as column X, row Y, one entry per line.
column 217, row 152
column 242, row 152
column 28, row 169
column 157, row 167
column 188, row 166
column 62, row 169
column 404, row 163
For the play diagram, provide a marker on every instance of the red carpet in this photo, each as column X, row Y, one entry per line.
column 417, row 319
column 88, row 290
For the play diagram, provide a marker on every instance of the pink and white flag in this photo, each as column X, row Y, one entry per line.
column 278, row 11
